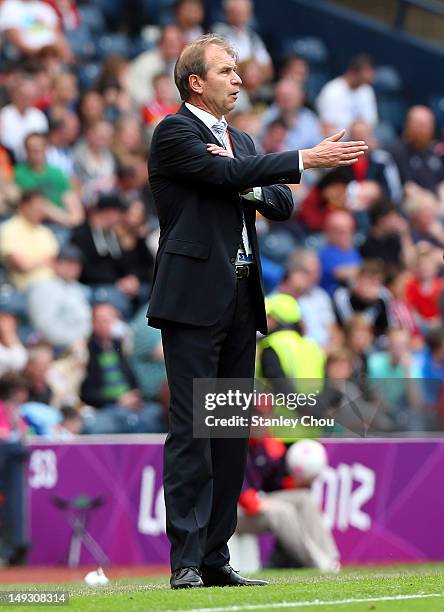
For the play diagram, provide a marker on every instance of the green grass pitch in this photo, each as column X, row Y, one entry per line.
column 383, row 589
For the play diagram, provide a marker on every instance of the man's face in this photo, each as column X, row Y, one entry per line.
column 104, row 318
column 339, row 231
column 34, row 210
column 220, row 87
column 68, row 269
column 238, row 13
column 36, row 151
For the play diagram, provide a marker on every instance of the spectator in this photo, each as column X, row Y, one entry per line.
column 301, row 280
column 9, row 192
column 32, row 25
column 63, row 132
column 63, row 205
column 160, row 60
column 132, row 232
column 401, row 314
column 423, row 214
column 91, row 108
column 94, row 164
column 359, row 340
column 37, row 373
column 110, row 385
column 274, row 136
column 424, row 289
column 296, row 69
column 349, row 97
column 13, row 355
column 27, row 247
column 128, row 145
column 377, row 164
column 189, row 17
column 70, row 426
column 255, row 94
column 337, row 190
column 20, row 118
column 394, row 373
column 430, row 364
column 389, row 238
column 64, row 91
column 304, row 130
column 367, row 295
column 344, row 399
column 104, row 268
column 339, row 259
column 67, row 12
column 147, row 358
column 415, row 156
column 66, row 318
column 164, row 101
column 236, row 29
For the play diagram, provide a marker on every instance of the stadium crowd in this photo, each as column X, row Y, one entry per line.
column 81, row 92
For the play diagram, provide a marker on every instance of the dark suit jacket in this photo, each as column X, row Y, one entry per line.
column 200, row 213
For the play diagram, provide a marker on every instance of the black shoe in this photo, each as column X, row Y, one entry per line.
column 227, row 576
column 186, row 578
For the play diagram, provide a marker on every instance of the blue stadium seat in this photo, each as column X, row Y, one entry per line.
column 310, row 48
column 116, row 44
column 93, row 19
column 437, row 105
column 81, row 42
column 385, row 134
column 392, row 109
column 316, row 80
column 277, row 245
column 87, row 74
column 387, row 80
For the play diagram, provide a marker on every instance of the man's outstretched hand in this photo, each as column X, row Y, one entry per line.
column 332, row 152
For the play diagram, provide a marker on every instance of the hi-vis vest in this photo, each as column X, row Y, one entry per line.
column 300, row 358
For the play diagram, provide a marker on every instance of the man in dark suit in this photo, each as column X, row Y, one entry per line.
column 207, row 297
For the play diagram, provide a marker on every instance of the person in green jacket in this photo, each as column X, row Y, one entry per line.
column 63, row 204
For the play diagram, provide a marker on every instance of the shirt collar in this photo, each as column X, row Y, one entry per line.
column 205, row 117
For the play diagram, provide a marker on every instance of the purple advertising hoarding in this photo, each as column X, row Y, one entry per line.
column 384, row 500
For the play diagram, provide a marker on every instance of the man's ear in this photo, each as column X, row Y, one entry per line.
column 195, row 83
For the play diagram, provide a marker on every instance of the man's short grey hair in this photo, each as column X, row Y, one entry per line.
column 192, row 61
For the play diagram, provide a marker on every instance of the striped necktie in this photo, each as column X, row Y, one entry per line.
column 220, row 130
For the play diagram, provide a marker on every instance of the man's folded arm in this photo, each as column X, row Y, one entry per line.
column 181, row 154
column 276, row 203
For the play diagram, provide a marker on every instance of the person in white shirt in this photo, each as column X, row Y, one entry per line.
column 349, row 97
column 139, row 79
column 236, row 29
column 31, row 25
column 20, row 118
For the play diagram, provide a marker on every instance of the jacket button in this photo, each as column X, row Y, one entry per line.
column 232, row 260
column 270, row 201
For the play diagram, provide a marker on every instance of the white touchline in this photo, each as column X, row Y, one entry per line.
column 314, row 602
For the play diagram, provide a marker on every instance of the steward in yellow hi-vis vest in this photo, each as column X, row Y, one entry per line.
column 287, row 362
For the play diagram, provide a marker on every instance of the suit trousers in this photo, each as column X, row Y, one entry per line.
column 203, row 477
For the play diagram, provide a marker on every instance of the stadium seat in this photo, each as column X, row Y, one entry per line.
column 81, row 42
column 385, row 134
column 437, row 105
column 116, row 44
column 277, row 245
column 387, row 80
column 392, row 109
column 93, row 19
column 316, row 80
column 310, row 48
column 87, row 74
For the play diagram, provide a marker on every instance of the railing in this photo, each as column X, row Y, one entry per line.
column 431, row 6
